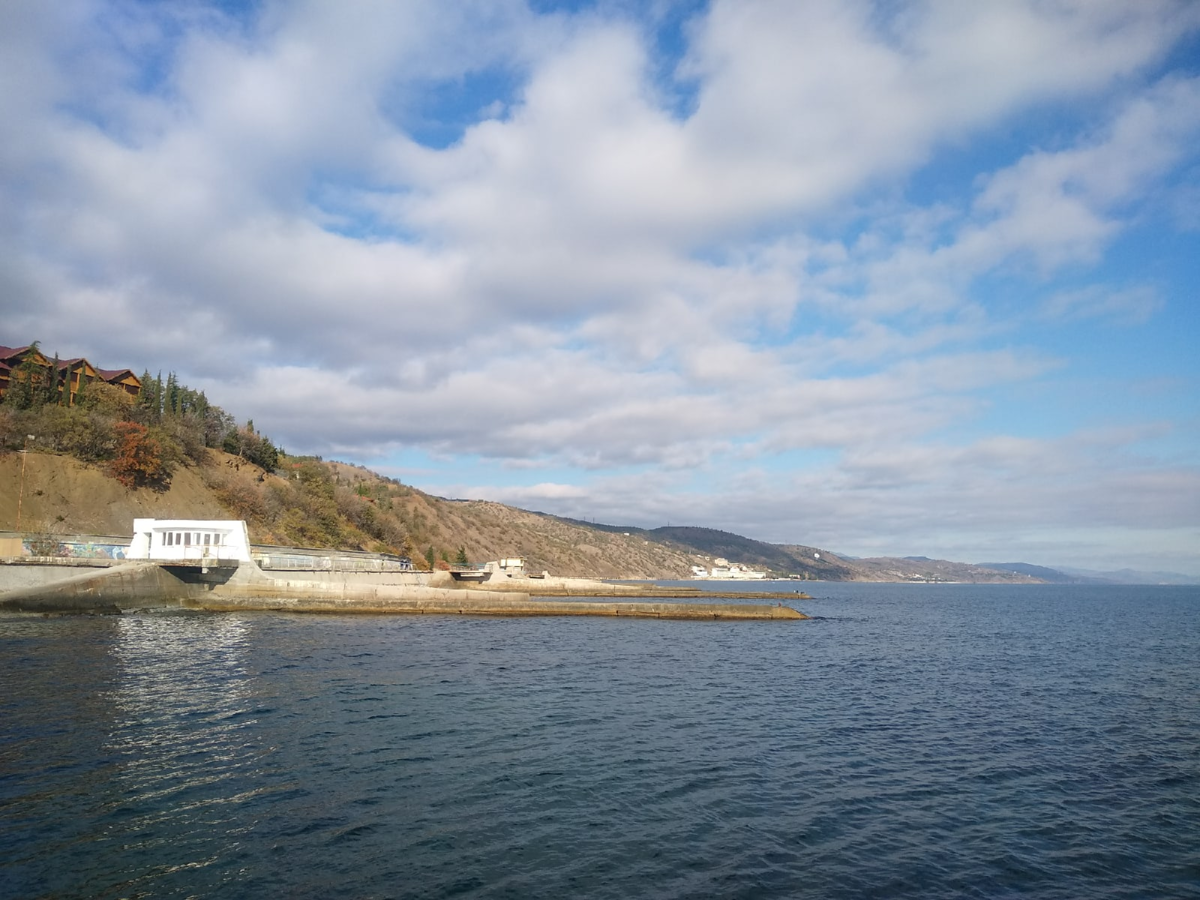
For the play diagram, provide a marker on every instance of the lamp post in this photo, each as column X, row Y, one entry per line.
column 21, row 491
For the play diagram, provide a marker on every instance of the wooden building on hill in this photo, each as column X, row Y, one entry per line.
column 74, row 372
column 71, row 372
column 122, row 378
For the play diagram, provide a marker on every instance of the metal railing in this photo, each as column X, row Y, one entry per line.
column 295, row 560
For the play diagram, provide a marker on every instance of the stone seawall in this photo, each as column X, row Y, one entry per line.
column 150, row 585
column 146, row 585
column 34, row 571
column 588, row 587
column 130, row 585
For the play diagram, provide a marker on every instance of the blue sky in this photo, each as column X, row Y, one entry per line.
column 885, row 278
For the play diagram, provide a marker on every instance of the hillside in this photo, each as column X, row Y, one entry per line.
column 777, row 559
column 312, row 503
column 1041, row 573
column 65, row 495
column 324, row 504
column 921, row 569
column 798, row 561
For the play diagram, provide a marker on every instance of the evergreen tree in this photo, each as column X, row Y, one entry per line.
column 81, row 392
column 200, row 406
column 171, row 400
column 26, row 384
column 53, row 383
column 19, row 389
column 148, row 398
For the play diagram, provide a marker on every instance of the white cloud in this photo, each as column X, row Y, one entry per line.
column 956, row 502
column 1130, row 306
column 580, row 274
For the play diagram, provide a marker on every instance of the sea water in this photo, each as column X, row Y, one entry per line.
column 908, row 741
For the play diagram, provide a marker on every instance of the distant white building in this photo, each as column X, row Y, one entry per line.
column 189, row 539
column 724, row 570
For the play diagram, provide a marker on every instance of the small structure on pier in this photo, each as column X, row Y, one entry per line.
column 498, row 570
column 509, row 567
column 190, row 540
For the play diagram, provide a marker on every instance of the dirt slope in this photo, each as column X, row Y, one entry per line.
column 64, row 495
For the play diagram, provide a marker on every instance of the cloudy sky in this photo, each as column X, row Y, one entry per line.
column 881, row 277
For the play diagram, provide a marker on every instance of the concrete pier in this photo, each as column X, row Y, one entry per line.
column 587, row 587
column 243, row 586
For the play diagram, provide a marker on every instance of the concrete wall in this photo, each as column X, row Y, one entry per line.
column 126, row 586
column 142, row 585
column 23, row 572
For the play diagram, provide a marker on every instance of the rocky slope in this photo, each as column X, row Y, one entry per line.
column 67, row 496
column 311, row 503
column 63, row 495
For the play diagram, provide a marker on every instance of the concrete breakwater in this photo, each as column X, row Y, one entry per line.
column 243, row 586
column 586, row 587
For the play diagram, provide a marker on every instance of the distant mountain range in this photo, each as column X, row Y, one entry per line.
column 810, row 563
column 1041, row 573
column 1066, row 575
column 800, row 561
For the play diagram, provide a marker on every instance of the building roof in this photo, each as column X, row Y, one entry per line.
column 10, row 357
column 113, row 374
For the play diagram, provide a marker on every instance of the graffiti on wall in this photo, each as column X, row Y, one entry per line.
column 48, row 546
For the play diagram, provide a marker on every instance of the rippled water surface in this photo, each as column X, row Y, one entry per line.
column 936, row 741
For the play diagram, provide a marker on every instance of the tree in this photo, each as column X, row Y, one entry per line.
column 148, row 399
column 217, row 425
column 54, row 384
column 106, row 398
column 460, row 558
column 82, row 392
column 26, row 384
column 255, row 448
column 171, row 396
column 19, row 391
column 139, row 460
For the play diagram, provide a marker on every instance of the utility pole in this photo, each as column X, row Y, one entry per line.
column 21, row 492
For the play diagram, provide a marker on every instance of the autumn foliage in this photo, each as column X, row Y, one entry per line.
column 139, row 459
column 140, row 439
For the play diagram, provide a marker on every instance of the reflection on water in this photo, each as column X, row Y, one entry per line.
column 176, row 671
column 184, row 733
column 141, row 735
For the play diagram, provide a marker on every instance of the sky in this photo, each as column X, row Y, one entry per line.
column 884, row 278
